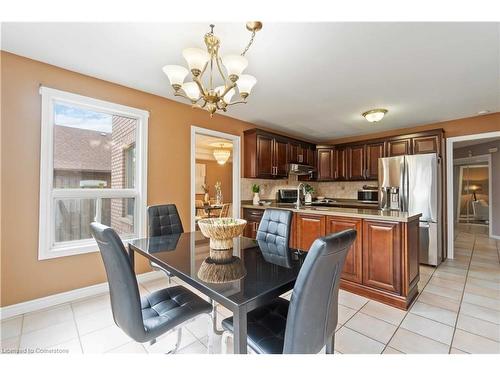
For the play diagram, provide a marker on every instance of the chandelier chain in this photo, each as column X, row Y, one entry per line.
column 249, row 43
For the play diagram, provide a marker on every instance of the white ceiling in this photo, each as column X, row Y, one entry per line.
column 205, row 146
column 474, row 142
column 314, row 79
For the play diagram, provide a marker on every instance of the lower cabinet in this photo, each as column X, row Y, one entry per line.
column 253, row 218
column 382, row 255
column 353, row 266
column 308, row 228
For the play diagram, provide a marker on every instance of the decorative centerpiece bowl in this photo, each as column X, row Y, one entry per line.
column 221, row 266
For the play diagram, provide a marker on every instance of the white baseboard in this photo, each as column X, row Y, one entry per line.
column 65, row 297
column 495, row 236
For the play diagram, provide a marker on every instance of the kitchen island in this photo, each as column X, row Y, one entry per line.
column 383, row 262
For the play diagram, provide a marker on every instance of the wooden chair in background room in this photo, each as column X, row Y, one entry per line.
column 224, row 212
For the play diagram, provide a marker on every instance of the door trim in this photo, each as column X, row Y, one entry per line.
column 449, row 184
column 236, row 140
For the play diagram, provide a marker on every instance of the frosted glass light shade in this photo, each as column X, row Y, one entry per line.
column 221, row 155
column 192, row 90
column 175, row 73
column 375, row 115
column 227, row 98
column 196, row 58
column 245, row 83
column 235, row 64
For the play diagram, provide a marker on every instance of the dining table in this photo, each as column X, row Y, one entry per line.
column 212, row 207
column 264, row 279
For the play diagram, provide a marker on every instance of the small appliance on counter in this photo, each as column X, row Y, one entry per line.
column 369, row 194
column 287, row 196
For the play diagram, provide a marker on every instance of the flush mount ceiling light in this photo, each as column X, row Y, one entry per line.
column 213, row 97
column 375, row 115
column 221, row 154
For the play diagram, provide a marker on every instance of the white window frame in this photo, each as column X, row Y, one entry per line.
column 47, row 248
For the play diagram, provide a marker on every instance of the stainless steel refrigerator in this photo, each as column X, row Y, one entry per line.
column 412, row 184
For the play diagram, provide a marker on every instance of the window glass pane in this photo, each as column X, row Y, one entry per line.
column 93, row 149
column 73, row 217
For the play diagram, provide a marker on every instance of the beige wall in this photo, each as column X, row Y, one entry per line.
column 23, row 277
column 215, row 172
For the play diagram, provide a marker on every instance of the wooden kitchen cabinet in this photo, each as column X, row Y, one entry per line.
column 268, row 155
column 399, row 147
column 356, row 162
column 374, row 151
column 382, row 255
column 253, row 218
column 325, row 164
column 353, row 266
column 280, row 154
column 340, row 164
column 308, row 227
column 426, row 144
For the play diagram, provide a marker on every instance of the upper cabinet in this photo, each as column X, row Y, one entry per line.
column 325, row 164
column 398, row 147
column 374, row 151
column 267, row 155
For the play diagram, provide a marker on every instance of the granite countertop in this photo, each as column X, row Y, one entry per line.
column 363, row 213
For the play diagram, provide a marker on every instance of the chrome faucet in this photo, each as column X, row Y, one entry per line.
column 301, row 185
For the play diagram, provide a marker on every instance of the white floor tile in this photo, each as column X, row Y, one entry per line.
column 386, row 313
column 167, row 342
column 194, row 348
column 10, row 345
column 351, row 300
column 94, row 321
column 348, row 341
column 200, row 326
column 103, row 340
column 50, row 336
column 480, row 312
column 45, row 318
column 412, row 343
column 471, row 343
column 428, row 328
column 479, row 327
column 10, row 327
column 129, row 348
column 91, row 305
column 344, row 314
column 69, row 347
column 435, row 313
column 372, row 327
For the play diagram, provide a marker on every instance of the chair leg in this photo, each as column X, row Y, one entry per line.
column 330, row 345
column 178, row 343
column 225, row 338
column 213, row 315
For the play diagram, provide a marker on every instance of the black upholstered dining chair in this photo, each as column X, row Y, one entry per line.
column 163, row 219
column 307, row 323
column 273, row 236
column 143, row 318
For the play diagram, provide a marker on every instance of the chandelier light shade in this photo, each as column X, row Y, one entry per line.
column 196, row 59
column 221, row 155
column 375, row 115
column 176, row 74
column 191, row 89
column 245, row 84
column 206, row 93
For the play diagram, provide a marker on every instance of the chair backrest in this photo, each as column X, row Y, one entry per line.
column 313, row 311
column 224, row 212
column 164, row 219
column 125, row 297
column 273, row 236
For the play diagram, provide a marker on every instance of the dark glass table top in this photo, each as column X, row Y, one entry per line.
column 183, row 254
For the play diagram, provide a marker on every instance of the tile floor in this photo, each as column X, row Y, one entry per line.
column 457, row 311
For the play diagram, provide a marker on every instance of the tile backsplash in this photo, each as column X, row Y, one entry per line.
column 269, row 188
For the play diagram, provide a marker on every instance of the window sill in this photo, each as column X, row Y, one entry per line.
column 77, row 248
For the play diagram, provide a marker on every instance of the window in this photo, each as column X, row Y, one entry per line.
column 92, row 168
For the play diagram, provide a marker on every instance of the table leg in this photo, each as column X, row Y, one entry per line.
column 240, row 331
column 131, row 258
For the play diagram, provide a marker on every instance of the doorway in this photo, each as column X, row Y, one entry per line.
column 215, row 174
column 473, row 186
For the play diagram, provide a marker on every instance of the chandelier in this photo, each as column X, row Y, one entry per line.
column 221, row 154
column 206, row 95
